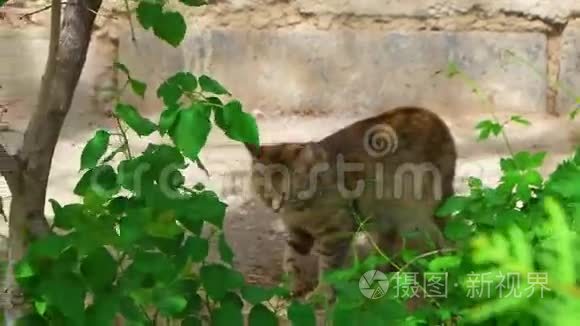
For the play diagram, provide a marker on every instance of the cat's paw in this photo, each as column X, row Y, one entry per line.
column 321, row 295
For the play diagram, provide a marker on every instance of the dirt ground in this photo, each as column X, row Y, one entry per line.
column 254, row 233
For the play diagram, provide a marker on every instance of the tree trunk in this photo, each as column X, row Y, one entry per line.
column 28, row 182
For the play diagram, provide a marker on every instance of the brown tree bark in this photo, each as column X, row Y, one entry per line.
column 28, row 181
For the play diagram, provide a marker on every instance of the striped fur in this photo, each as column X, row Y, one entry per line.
column 390, row 201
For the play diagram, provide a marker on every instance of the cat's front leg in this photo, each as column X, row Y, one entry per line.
column 298, row 244
column 333, row 253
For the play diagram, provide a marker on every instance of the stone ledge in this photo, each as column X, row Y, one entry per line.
column 552, row 11
column 312, row 72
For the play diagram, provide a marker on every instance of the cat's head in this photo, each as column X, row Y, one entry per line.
column 287, row 176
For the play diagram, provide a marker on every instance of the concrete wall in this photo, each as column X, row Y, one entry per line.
column 316, row 57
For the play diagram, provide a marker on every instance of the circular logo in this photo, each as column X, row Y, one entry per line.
column 373, row 284
column 380, row 140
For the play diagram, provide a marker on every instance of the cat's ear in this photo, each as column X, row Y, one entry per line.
column 253, row 149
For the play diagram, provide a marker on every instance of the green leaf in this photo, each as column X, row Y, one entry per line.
column 487, row 127
column 55, row 206
column 120, row 66
column 452, row 206
column 132, row 226
column 138, row 87
column 443, row 263
column 186, row 81
column 67, row 217
column 564, row 181
column 168, row 301
column 192, row 223
column 103, row 309
column 50, row 246
column 95, row 149
column 234, row 298
column 101, row 180
column 22, row 269
column 197, row 248
column 210, row 85
column 507, row 165
column 170, row 27
column 149, row 13
column 255, row 295
column 226, row 252
column 237, row 125
column 157, row 265
column 207, row 205
column 163, row 225
column 32, row 319
column 99, row 268
column 67, row 294
column 525, row 160
column 536, row 160
column 262, row 316
column 520, row 120
column 301, row 314
column 169, row 92
column 457, row 229
column 191, row 131
column 131, row 311
column 228, row 314
column 167, row 119
column 173, row 88
column 194, row 3
column 217, row 279
column 136, row 175
column 40, row 307
column 128, row 113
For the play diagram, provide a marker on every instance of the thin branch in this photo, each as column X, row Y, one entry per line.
column 133, row 38
column 425, row 255
column 45, row 8
column 37, row 11
column 126, row 148
column 202, row 167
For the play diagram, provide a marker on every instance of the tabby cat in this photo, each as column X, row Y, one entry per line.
column 390, row 171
